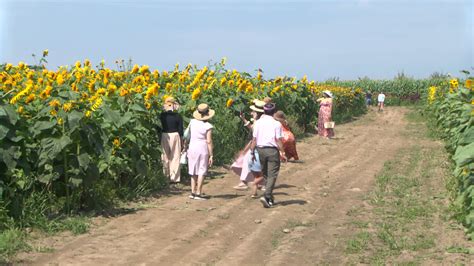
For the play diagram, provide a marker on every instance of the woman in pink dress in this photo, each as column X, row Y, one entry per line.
column 200, row 152
column 240, row 165
column 325, row 110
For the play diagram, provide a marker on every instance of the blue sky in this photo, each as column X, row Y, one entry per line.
column 321, row 38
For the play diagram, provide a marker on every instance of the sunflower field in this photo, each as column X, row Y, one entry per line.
column 401, row 90
column 82, row 137
column 451, row 106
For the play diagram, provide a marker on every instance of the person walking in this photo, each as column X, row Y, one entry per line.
column 241, row 163
column 368, row 99
column 200, row 152
column 267, row 141
column 381, row 100
column 324, row 115
column 171, row 140
column 289, row 140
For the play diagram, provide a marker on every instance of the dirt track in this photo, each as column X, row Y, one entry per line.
column 312, row 198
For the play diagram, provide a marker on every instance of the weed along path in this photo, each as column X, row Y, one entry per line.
column 312, row 222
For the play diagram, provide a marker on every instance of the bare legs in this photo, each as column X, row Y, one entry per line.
column 381, row 106
column 196, row 184
column 258, row 179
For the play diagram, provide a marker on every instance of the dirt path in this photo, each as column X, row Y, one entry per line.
column 313, row 199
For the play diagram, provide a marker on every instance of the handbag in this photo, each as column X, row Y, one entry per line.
column 184, row 158
column 329, row 124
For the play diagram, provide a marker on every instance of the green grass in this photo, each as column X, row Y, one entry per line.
column 15, row 239
column 358, row 242
column 459, row 249
column 405, row 206
column 11, row 242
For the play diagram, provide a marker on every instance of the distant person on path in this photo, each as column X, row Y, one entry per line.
column 325, row 115
column 200, row 152
column 289, row 140
column 368, row 98
column 241, row 165
column 381, row 100
column 267, row 141
column 171, row 140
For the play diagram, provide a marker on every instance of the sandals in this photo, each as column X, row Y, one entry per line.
column 198, row 196
column 241, row 187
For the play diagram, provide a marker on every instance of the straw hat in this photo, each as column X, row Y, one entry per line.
column 169, row 102
column 257, row 106
column 203, row 112
column 328, row 93
column 279, row 116
column 267, row 99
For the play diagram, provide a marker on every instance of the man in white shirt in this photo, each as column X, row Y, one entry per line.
column 267, row 140
column 381, row 99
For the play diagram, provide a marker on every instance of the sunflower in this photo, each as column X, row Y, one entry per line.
column 116, row 142
column 144, row 69
column 124, row 92
column 196, row 93
column 229, row 103
column 97, row 104
column 135, row 69
column 468, row 83
column 67, row 107
column 54, row 103
column 30, row 98
column 454, row 83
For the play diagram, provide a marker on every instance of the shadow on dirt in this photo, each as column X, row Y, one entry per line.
column 283, row 186
column 226, row 196
column 291, row 202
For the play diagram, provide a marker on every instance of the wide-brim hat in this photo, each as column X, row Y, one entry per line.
column 258, row 106
column 279, row 116
column 267, row 100
column 203, row 112
column 169, row 102
column 328, row 93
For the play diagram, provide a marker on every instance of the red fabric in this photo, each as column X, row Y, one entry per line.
column 289, row 143
column 324, row 115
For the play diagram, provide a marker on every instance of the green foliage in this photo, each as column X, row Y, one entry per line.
column 11, row 242
column 57, row 160
column 452, row 110
column 399, row 91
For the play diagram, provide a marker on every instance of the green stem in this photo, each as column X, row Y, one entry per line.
column 66, row 177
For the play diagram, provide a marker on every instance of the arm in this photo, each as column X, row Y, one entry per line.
column 253, row 144
column 279, row 141
column 246, row 122
column 181, row 131
column 210, row 146
column 160, row 129
column 180, row 126
column 281, row 149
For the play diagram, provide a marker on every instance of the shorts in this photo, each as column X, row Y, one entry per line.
column 368, row 101
column 255, row 166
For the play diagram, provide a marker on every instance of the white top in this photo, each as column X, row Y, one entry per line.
column 266, row 131
column 381, row 97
